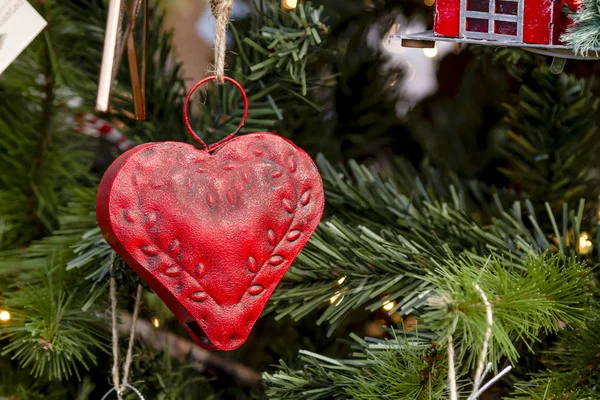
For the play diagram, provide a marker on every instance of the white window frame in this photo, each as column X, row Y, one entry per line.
column 491, row 16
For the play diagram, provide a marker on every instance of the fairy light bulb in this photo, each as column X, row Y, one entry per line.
column 4, row 316
column 394, row 80
column 431, row 52
column 335, row 297
column 289, row 5
column 585, row 244
column 341, row 280
column 429, row 3
column 388, row 305
column 156, row 322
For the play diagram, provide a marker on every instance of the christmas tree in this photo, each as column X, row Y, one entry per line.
column 456, row 257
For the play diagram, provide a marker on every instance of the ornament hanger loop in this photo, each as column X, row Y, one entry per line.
column 186, row 116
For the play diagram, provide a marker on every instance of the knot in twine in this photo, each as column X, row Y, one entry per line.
column 221, row 10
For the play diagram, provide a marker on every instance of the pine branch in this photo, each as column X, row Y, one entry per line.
column 547, row 292
column 396, row 231
column 284, row 42
column 553, row 140
column 16, row 383
column 570, row 385
column 584, row 33
column 46, row 119
column 404, row 367
column 572, row 367
column 38, row 162
column 48, row 334
column 381, row 266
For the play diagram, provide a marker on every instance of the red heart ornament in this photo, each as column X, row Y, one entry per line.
column 212, row 231
column 212, row 234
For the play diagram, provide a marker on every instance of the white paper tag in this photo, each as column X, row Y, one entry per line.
column 19, row 25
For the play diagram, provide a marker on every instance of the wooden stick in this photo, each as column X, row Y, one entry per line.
column 109, row 54
column 180, row 348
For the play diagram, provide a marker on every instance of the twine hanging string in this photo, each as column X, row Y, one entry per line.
column 221, row 10
column 119, row 387
column 451, row 370
column 129, row 356
column 480, row 373
column 486, row 341
column 115, row 333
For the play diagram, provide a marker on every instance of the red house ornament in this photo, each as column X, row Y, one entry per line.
column 212, row 230
column 518, row 21
column 535, row 25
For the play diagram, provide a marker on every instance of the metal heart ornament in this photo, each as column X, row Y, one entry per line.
column 212, row 230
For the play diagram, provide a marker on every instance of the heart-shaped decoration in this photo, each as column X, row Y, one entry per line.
column 212, row 232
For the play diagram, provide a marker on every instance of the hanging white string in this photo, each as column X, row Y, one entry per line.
column 129, row 356
column 115, row 333
column 451, row 370
column 118, row 387
column 480, row 373
column 486, row 341
column 490, row 382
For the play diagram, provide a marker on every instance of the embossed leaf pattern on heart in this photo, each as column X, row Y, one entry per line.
column 212, row 234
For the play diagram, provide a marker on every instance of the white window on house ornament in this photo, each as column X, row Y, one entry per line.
column 500, row 20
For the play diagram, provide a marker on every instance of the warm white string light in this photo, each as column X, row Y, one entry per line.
column 388, row 305
column 585, row 244
column 430, row 52
column 336, row 296
column 4, row 316
column 289, row 5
